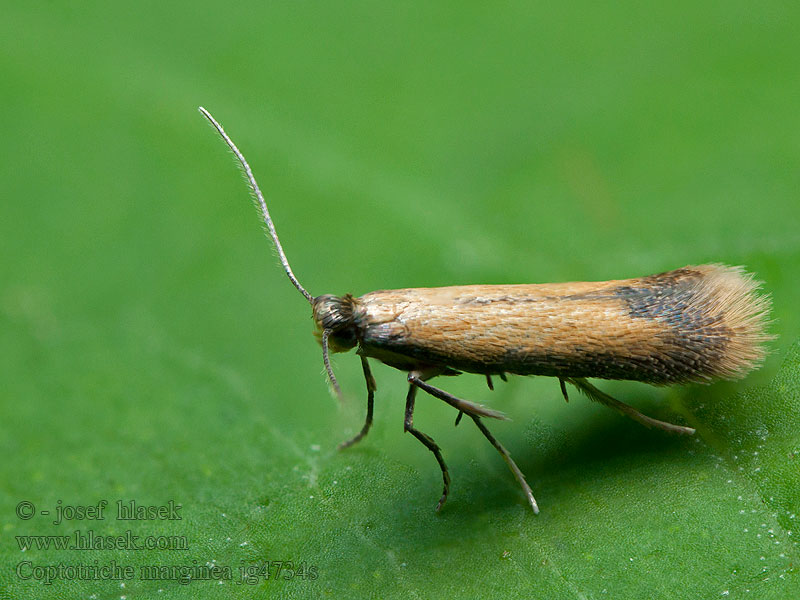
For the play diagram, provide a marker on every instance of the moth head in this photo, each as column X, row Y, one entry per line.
column 337, row 315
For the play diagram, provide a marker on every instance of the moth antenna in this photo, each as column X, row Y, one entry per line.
column 326, row 359
column 264, row 212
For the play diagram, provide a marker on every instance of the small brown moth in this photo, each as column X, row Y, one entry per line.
column 694, row 324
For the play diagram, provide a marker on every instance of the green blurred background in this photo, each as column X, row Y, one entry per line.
column 151, row 348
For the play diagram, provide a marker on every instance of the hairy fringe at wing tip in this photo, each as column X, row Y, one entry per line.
column 733, row 296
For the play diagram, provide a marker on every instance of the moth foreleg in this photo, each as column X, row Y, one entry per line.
column 427, row 441
column 510, row 462
column 371, row 387
column 594, row 394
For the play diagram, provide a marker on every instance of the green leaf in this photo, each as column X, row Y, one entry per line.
column 152, row 350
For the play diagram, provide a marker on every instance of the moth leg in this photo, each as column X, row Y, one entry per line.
column 427, row 441
column 491, row 387
column 371, row 387
column 509, row 461
column 563, row 389
column 471, row 408
column 594, row 394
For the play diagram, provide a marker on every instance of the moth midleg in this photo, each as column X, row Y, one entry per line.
column 471, row 408
column 427, row 441
column 371, row 387
column 563, row 389
column 509, row 461
column 594, row 394
column 491, row 387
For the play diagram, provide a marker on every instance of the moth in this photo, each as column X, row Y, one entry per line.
column 693, row 324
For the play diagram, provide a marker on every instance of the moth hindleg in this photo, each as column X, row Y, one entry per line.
column 594, row 394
